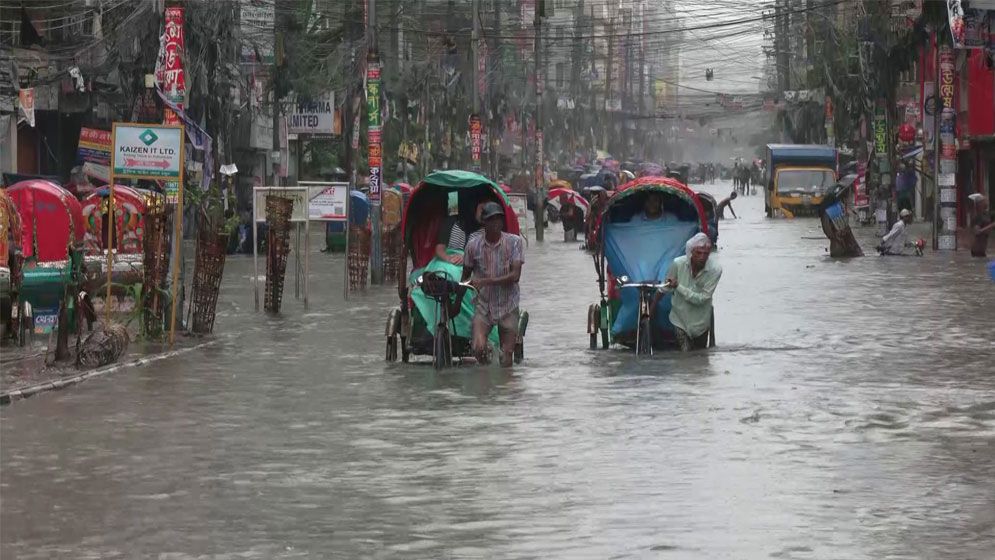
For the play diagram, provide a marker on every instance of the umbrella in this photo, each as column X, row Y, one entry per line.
column 651, row 169
column 505, row 188
column 594, row 188
column 403, row 187
column 559, row 184
column 553, row 199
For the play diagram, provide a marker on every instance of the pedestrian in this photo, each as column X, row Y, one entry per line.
column 692, row 278
column 896, row 240
column 493, row 264
column 905, row 187
column 726, row 203
column 981, row 225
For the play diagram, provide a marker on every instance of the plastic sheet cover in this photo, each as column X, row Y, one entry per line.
column 428, row 307
column 643, row 251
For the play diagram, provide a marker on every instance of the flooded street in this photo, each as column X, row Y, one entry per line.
column 848, row 412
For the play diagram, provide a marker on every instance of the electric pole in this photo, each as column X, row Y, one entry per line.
column 476, row 124
column 538, row 175
column 374, row 146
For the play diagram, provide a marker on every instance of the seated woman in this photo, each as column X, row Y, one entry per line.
column 457, row 231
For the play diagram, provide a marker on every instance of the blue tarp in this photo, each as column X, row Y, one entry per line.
column 643, row 251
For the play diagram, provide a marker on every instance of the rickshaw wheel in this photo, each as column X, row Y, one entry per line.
column 519, row 352
column 392, row 348
column 643, row 343
column 405, row 353
column 442, row 353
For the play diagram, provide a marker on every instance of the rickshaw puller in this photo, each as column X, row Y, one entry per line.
column 493, row 262
column 693, row 279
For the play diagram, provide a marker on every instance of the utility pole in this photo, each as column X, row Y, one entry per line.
column 475, row 122
column 608, row 81
column 374, row 146
column 538, row 175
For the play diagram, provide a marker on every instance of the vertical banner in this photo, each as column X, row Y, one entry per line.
column 373, row 131
column 476, row 131
column 830, row 134
column 947, row 157
column 169, row 65
column 482, row 70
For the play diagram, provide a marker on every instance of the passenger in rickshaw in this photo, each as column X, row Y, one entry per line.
column 458, row 228
column 653, row 209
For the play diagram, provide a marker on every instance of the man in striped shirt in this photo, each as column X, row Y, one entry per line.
column 493, row 262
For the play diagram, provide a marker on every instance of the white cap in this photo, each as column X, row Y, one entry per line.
column 905, row 212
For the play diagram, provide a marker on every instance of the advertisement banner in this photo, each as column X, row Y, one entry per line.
column 373, row 124
column 169, row 76
column 327, row 203
column 149, row 152
column 94, row 146
column 476, row 131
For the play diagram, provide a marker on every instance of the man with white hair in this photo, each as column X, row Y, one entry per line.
column 693, row 279
column 895, row 242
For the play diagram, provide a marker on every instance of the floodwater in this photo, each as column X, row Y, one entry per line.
column 848, row 413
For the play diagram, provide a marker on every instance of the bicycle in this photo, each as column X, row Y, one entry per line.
column 644, row 328
column 448, row 296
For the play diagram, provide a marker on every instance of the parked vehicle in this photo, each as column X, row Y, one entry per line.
column 51, row 241
column 797, row 178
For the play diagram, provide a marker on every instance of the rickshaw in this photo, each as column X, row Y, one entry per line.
column 436, row 310
column 572, row 209
column 10, row 267
column 632, row 261
column 51, row 241
column 709, row 203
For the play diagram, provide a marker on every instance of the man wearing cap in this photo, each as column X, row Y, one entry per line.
column 895, row 242
column 493, row 263
column 692, row 278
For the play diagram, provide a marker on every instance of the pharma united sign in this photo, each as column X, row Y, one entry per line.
column 312, row 117
column 147, row 151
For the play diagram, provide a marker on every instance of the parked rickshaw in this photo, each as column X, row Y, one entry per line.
column 633, row 259
column 52, row 230
column 436, row 310
column 711, row 216
column 10, row 267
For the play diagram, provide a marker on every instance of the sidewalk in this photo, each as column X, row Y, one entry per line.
column 23, row 370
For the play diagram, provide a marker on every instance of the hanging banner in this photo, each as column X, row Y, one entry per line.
column 476, row 132
column 26, row 99
column 482, row 70
column 946, row 176
column 169, row 76
column 373, row 124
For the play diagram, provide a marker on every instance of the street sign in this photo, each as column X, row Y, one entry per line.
column 147, row 152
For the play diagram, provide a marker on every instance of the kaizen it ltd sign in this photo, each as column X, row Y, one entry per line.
column 148, row 151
